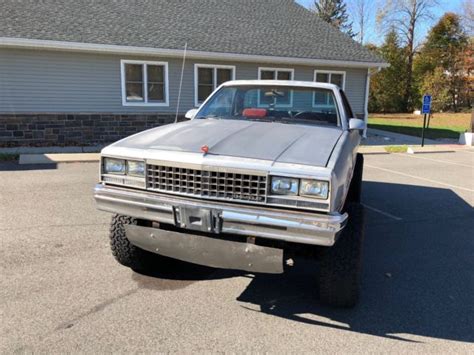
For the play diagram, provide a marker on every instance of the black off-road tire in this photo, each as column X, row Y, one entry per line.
column 355, row 189
column 340, row 265
column 125, row 252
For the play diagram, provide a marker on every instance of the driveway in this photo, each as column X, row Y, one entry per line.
column 61, row 290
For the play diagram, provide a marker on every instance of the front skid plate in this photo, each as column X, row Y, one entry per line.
column 207, row 251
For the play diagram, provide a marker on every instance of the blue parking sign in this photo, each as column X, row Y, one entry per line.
column 426, row 104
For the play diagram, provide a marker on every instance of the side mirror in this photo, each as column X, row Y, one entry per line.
column 191, row 113
column 356, row 124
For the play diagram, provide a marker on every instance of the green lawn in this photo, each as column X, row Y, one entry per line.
column 442, row 125
column 430, row 133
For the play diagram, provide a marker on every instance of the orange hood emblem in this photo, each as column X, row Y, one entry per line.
column 205, row 149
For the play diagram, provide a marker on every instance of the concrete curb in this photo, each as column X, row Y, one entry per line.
column 95, row 157
column 447, row 148
column 436, row 149
column 48, row 150
column 58, row 158
column 378, row 149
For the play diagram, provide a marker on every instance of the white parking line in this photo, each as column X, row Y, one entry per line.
column 435, row 160
column 382, row 212
column 419, row 178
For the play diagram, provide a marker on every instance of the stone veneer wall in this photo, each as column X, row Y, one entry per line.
column 42, row 130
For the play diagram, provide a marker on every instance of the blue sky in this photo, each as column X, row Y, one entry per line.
column 375, row 36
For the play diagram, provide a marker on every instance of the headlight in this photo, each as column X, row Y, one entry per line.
column 135, row 168
column 284, row 185
column 314, row 188
column 114, row 166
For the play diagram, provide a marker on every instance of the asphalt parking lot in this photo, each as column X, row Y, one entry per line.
column 61, row 290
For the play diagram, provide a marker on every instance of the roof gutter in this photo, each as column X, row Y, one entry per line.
column 7, row 42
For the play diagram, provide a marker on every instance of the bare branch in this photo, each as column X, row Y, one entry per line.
column 362, row 15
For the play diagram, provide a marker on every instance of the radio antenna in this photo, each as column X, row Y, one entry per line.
column 181, row 82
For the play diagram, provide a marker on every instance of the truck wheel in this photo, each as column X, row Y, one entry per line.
column 340, row 265
column 125, row 252
column 355, row 188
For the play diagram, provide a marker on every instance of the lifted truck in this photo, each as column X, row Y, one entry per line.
column 263, row 170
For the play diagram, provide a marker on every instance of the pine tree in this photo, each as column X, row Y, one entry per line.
column 387, row 86
column 445, row 47
column 335, row 13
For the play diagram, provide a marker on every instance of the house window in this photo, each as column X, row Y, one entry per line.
column 324, row 98
column 208, row 77
column 144, row 83
column 275, row 74
column 334, row 77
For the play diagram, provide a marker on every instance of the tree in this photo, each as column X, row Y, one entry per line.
column 434, row 83
column 468, row 70
column 386, row 88
column 467, row 15
column 446, row 47
column 362, row 12
column 335, row 13
column 405, row 16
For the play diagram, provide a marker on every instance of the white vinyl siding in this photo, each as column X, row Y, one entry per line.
column 144, row 83
column 36, row 81
column 207, row 77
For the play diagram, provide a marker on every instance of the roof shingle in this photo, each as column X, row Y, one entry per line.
column 265, row 27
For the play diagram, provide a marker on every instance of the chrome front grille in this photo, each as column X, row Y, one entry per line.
column 207, row 184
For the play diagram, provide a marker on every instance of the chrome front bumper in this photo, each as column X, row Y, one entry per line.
column 218, row 217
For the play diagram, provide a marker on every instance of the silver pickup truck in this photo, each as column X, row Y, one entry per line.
column 261, row 174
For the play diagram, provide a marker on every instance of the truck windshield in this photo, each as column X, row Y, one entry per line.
column 303, row 105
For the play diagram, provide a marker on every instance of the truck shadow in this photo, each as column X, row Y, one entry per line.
column 418, row 276
column 179, row 274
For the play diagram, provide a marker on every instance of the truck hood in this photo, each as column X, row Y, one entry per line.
column 271, row 141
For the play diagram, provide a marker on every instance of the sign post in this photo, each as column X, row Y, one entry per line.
column 426, row 108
